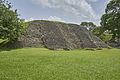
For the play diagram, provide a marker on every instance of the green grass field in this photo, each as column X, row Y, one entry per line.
column 44, row 64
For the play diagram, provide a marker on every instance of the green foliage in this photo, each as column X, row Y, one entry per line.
column 10, row 25
column 105, row 37
column 52, row 21
column 99, row 32
column 26, row 24
column 1, row 40
column 111, row 19
column 88, row 25
column 44, row 64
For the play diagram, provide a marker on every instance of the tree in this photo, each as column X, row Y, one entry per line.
column 103, row 35
column 10, row 25
column 111, row 19
column 98, row 31
column 88, row 25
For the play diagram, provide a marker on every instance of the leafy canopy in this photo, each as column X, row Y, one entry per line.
column 99, row 32
column 10, row 25
column 111, row 19
column 88, row 25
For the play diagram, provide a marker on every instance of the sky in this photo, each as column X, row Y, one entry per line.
column 70, row 11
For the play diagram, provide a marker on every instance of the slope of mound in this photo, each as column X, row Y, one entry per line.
column 58, row 35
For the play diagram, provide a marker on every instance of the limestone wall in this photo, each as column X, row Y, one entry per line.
column 55, row 35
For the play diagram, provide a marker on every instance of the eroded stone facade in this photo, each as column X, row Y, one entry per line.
column 55, row 36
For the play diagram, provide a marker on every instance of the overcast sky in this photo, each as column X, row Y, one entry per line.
column 73, row 11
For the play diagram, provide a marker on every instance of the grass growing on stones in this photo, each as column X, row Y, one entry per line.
column 26, row 24
column 51, row 21
column 44, row 64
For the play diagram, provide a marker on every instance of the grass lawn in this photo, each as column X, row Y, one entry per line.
column 44, row 64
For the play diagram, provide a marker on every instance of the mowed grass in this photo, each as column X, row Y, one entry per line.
column 44, row 64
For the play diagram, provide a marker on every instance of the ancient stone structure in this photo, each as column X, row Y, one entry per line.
column 114, row 43
column 57, row 35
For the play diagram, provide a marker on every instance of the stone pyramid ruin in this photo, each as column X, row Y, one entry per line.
column 58, row 35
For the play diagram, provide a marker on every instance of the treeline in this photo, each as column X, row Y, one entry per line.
column 110, row 23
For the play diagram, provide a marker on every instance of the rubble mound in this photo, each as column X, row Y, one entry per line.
column 58, row 35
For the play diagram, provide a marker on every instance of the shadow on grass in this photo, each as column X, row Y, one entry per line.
column 8, row 49
column 4, row 47
column 1, row 49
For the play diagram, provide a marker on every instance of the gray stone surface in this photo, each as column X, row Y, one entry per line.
column 55, row 36
column 114, row 44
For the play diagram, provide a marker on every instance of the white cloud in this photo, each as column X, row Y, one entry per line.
column 93, row 0
column 79, row 9
column 54, row 18
column 109, row 1
column 51, row 18
column 30, row 19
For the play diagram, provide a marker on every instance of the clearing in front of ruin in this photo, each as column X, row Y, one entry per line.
column 44, row 64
